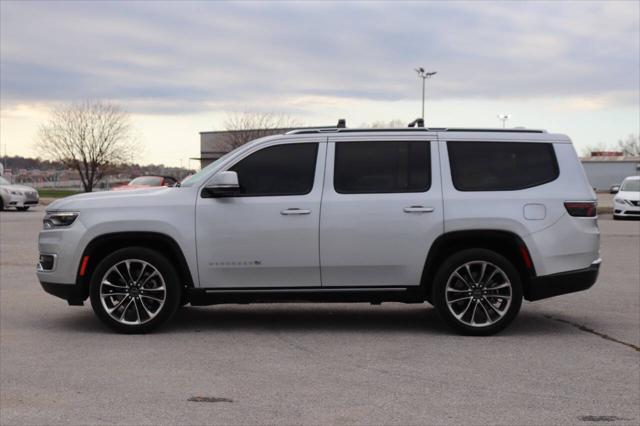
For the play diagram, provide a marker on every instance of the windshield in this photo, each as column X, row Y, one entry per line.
column 630, row 185
column 147, row 181
column 3, row 181
column 198, row 177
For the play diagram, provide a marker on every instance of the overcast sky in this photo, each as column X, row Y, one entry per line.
column 179, row 67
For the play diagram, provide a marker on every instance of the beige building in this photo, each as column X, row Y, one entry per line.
column 605, row 171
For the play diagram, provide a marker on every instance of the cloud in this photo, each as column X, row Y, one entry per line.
column 184, row 57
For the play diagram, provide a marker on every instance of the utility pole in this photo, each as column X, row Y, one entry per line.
column 424, row 75
column 504, row 118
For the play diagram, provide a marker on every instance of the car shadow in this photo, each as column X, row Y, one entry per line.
column 11, row 210
column 342, row 318
column 309, row 317
column 359, row 318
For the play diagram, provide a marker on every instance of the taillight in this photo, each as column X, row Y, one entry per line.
column 581, row 208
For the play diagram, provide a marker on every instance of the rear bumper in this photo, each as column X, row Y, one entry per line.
column 562, row 283
column 72, row 293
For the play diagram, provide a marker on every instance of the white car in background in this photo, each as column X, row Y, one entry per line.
column 19, row 196
column 626, row 203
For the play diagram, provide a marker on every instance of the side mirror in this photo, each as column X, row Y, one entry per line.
column 224, row 184
column 614, row 189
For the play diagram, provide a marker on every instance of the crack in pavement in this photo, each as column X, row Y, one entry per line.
column 592, row 331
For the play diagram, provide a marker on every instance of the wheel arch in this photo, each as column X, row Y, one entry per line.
column 506, row 243
column 104, row 244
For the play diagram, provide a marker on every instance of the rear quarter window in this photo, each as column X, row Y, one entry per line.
column 501, row 166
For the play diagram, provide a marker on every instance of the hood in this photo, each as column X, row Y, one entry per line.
column 109, row 199
column 629, row 195
column 131, row 187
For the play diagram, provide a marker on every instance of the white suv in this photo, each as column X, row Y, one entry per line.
column 470, row 220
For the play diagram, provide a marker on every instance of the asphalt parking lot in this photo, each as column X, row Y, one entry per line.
column 574, row 359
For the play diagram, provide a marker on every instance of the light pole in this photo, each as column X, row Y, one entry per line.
column 424, row 75
column 504, row 118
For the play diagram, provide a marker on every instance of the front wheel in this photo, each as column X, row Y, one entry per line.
column 477, row 292
column 135, row 290
column 23, row 209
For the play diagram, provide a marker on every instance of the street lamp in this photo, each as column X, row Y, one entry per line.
column 504, row 118
column 424, row 75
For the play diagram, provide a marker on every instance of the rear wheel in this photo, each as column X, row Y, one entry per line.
column 135, row 290
column 477, row 292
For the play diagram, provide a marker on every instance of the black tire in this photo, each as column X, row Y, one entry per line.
column 1, row 204
column 616, row 217
column 168, row 275
column 477, row 257
column 23, row 209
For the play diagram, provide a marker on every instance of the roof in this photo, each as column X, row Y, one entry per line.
column 274, row 130
column 412, row 129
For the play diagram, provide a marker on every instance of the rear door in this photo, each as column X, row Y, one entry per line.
column 381, row 210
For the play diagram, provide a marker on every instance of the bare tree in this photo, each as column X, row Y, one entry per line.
column 630, row 146
column 246, row 126
column 598, row 147
column 389, row 124
column 89, row 137
column 385, row 124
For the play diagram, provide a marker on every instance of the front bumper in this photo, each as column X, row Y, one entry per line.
column 626, row 211
column 72, row 293
column 66, row 245
column 552, row 285
column 21, row 201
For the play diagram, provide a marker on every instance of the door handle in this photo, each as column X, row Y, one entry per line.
column 418, row 209
column 294, row 211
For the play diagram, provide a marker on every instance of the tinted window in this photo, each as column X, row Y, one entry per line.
column 278, row 170
column 501, row 166
column 383, row 166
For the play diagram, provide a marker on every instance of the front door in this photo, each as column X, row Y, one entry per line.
column 381, row 210
column 267, row 236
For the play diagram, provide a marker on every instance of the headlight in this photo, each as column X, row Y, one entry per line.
column 58, row 219
column 618, row 200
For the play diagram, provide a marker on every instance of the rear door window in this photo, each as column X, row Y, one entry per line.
column 501, row 166
column 382, row 167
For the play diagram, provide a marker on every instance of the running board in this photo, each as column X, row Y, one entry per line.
column 214, row 296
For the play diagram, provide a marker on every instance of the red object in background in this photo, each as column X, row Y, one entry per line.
column 607, row 154
column 147, row 182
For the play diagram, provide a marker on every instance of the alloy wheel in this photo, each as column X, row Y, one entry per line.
column 133, row 292
column 478, row 293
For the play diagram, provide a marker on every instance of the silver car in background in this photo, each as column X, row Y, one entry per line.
column 19, row 196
